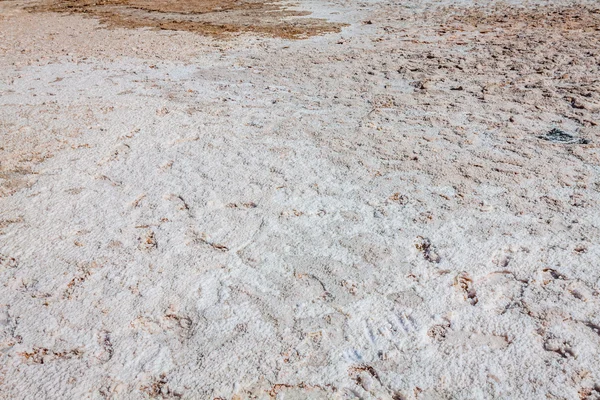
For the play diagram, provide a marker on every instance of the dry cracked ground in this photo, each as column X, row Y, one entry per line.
column 325, row 199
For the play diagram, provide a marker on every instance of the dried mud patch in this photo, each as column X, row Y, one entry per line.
column 210, row 17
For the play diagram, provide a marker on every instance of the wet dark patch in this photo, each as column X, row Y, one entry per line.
column 557, row 136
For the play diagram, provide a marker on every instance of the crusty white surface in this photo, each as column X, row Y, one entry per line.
column 260, row 218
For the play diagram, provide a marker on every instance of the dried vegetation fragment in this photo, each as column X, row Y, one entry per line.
column 464, row 283
column 158, row 388
column 429, row 253
column 593, row 327
column 281, row 388
column 8, row 262
column 210, row 17
column 354, row 371
column 40, row 355
column 84, row 272
column 4, row 223
column 399, row 198
column 202, row 238
column 147, row 242
column 590, row 393
column 242, row 205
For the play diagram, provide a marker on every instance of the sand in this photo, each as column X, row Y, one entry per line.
column 404, row 206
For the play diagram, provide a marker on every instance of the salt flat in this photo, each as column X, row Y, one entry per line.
column 310, row 200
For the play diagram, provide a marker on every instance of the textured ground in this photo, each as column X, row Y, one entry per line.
column 375, row 213
column 211, row 17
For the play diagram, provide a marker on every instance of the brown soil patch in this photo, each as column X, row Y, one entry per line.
column 212, row 17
